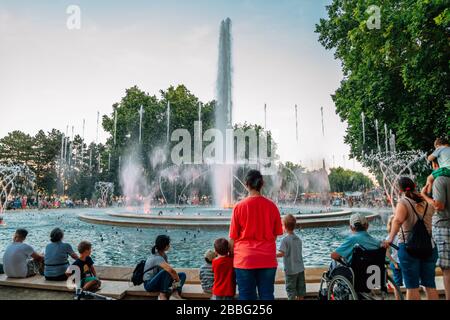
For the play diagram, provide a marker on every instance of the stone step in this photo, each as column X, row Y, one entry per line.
column 112, row 289
column 312, row 275
column 122, row 289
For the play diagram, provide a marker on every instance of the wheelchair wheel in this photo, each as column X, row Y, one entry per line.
column 340, row 288
column 392, row 285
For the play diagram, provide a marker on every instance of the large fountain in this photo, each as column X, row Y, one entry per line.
column 220, row 173
column 222, row 176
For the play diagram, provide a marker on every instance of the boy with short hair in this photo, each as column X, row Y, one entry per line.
column 206, row 272
column 224, row 287
column 442, row 156
column 88, row 275
column 291, row 252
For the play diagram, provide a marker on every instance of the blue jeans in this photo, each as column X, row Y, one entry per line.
column 248, row 280
column 162, row 282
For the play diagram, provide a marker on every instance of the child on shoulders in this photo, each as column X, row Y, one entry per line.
column 442, row 156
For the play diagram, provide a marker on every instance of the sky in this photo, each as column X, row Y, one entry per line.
column 54, row 77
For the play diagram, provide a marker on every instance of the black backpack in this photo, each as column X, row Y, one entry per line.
column 419, row 244
column 138, row 274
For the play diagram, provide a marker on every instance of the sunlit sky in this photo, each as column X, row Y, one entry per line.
column 51, row 77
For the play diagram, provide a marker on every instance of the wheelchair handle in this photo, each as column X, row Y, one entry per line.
column 394, row 246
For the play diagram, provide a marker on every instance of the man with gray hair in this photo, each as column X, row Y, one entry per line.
column 440, row 200
column 359, row 225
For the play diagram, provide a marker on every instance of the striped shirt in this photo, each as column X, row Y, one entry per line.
column 207, row 277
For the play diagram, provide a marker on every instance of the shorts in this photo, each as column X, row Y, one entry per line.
column 417, row 272
column 441, row 172
column 441, row 236
column 295, row 285
column 88, row 279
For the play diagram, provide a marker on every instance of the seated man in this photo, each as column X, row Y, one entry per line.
column 20, row 260
column 359, row 236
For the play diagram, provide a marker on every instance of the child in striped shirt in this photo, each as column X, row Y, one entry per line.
column 206, row 273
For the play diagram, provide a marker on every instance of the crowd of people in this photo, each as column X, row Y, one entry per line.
column 417, row 242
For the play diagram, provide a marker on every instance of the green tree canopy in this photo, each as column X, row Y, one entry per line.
column 398, row 74
column 342, row 180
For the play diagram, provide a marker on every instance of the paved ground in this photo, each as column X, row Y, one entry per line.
column 7, row 293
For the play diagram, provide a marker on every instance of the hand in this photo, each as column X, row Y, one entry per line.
column 396, row 265
column 424, row 191
column 386, row 244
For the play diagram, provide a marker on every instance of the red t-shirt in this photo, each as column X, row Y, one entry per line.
column 255, row 225
column 224, row 279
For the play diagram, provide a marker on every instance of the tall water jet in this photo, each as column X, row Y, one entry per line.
column 296, row 123
column 168, row 122
column 222, row 178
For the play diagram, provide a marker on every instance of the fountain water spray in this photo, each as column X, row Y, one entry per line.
column 141, row 114
column 105, row 190
column 168, row 122
column 378, row 136
column 395, row 165
column 323, row 127
column 14, row 177
column 265, row 116
column 363, row 123
column 222, row 177
column 296, row 123
column 115, row 126
column 386, row 138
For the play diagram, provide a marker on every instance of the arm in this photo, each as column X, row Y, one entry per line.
column 37, row 257
column 231, row 246
column 165, row 266
column 401, row 213
column 431, row 157
column 94, row 273
column 437, row 204
column 335, row 256
column 74, row 256
column 280, row 254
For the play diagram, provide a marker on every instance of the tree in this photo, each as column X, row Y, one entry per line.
column 398, row 74
column 342, row 180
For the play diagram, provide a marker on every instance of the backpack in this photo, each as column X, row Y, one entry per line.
column 138, row 274
column 419, row 244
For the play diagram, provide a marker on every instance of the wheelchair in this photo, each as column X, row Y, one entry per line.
column 354, row 281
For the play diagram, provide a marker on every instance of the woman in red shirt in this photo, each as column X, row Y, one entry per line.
column 255, row 225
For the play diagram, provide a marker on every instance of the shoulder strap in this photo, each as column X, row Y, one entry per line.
column 149, row 269
column 414, row 209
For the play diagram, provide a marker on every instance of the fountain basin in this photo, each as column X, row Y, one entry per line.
column 210, row 222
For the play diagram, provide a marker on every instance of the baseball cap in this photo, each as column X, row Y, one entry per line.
column 358, row 218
